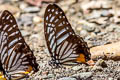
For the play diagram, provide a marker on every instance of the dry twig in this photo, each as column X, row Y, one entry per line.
column 109, row 51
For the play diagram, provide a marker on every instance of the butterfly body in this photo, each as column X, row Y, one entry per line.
column 16, row 58
column 65, row 47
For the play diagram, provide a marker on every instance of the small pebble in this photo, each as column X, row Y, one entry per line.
column 89, row 37
column 111, row 28
column 83, row 33
column 102, row 33
column 31, row 9
column 50, row 75
column 106, row 13
column 25, row 33
column 77, row 68
column 23, row 6
column 97, row 68
column 111, row 78
column 37, row 19
column 78, row 28
column 89, row 28
column 83, row 75
column 72, row 11
column 67, row 78
column 101, row 63
column 97, row 30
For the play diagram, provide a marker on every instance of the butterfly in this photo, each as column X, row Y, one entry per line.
column 16, row 58
column 64, row 46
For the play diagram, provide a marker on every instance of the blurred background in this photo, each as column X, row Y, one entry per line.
column 97, row 21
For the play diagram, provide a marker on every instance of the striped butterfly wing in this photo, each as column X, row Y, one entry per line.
column 15, row 55
column 64, row 46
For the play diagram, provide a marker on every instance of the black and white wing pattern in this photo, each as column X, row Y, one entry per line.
column 64, row 46
column 15, row 55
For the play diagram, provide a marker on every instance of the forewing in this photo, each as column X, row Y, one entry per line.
column 15, row 55
column 57, row 28
column 60, row 36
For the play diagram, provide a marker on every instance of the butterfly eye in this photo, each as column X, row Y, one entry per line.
column 64, row 46
column 14, row 52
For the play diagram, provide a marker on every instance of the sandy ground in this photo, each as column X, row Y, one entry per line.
column 98, row 25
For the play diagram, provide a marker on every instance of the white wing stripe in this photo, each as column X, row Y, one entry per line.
column 48, row 30
column 50, row 36
column 60, row 25
column 10, row 28
column 17, row 65
column 58, row 48
column 11, row 58
column 47, row 18
column 53, row 48
column 10, row 50
column 3, row 58
column 15, row 61
column 56, row 20
column 13, row 42
column 69, row 46
column 53, row 17
column 62, row 38
column 62, row 49
column 3, row 52
column 60, row 32
column 8, row 17
column 67, row 54
column 67, row 59
column 73, row 55
column 12, row 34
column 6, row 26
column 50, row 15
column 2, row 45
column 52, row 42
column 11, row 20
